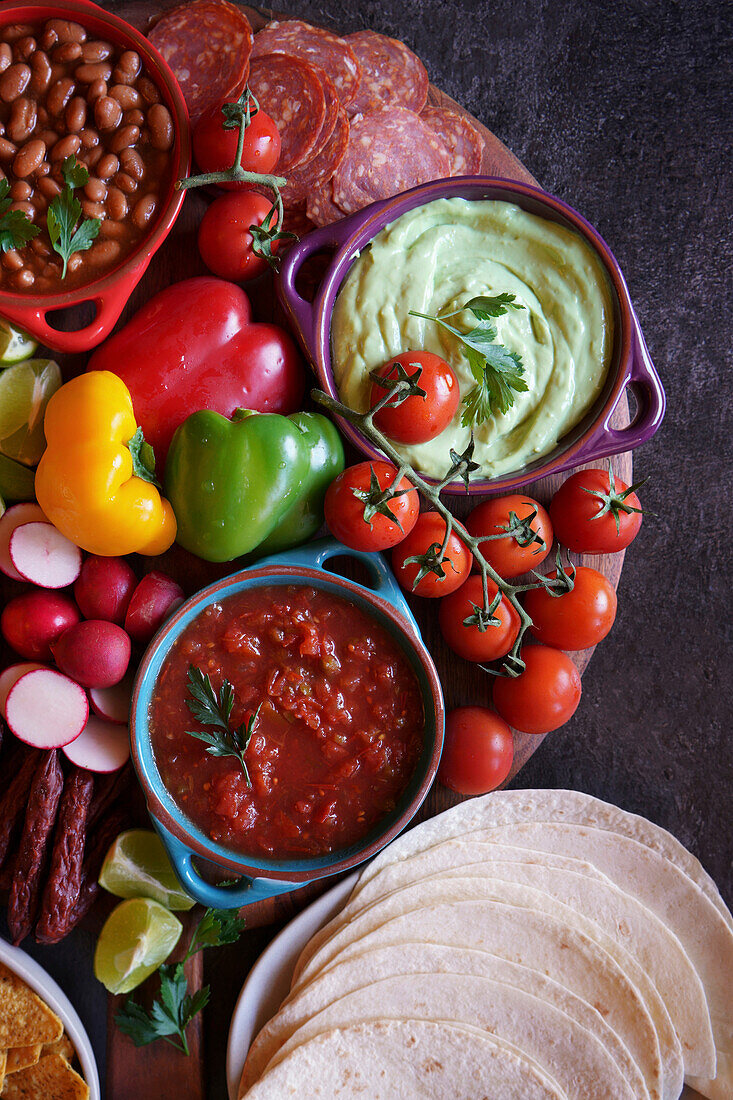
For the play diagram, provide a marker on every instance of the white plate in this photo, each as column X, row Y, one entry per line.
column 48, row 990
column 268, row 982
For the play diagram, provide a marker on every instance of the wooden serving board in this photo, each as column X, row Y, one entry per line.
column 158, row 1069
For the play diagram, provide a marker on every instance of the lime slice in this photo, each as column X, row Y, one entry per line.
column 137, row 866
column 138, row 935
column 2, row 507
column 17, row 482
column 14, row 344
column 25, row 391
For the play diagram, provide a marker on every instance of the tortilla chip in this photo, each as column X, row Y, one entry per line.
column 51, row 1078
column 24, row 1018
column 20, row 1057
column 62, row 1046
column 3, row 1063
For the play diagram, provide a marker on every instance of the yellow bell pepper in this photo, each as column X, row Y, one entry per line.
column 95, row 480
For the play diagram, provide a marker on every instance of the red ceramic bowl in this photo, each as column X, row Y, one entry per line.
column 111, row 291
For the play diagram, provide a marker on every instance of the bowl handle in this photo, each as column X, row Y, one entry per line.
column 109, row 305
column 246, row 891
column 300, row 312
column 314, row 555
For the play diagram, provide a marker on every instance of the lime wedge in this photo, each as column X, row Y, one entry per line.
column 138, row 935
column 25, row 390
column 17, row 482
column 2, row 507
column 137, row 866
column 14, row 344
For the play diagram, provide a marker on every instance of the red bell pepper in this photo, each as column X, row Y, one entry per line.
column 194, row 346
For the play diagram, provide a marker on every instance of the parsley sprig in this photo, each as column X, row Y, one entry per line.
column 214, row 710
column 16, row 228
column 170, row 1014
column 498, row 372
column 64, row 213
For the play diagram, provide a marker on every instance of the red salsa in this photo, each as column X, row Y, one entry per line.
column 339, row 731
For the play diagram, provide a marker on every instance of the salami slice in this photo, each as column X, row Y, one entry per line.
column 320, row 168
column 391, row 74
column 464, row 143
column 318, row 46
column 207, row 44
column 320, row 206
column 291, row 93
column 389, row 151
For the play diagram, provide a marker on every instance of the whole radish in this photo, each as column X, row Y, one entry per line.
column 155, row 598
column 95, row 653
column 104, row 588
column 31, row 623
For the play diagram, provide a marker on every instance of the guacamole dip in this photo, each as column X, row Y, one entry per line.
column 433, row 260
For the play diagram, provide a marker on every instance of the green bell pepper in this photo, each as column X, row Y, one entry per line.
column 232, row 482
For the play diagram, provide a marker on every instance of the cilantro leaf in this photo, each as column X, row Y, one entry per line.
column 16, row 228
column 214, row 710
column 64, row 213
column 74, row 172
column 485, row 306
column 216, row 927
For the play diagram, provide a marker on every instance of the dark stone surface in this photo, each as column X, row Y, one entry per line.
column 620, row 109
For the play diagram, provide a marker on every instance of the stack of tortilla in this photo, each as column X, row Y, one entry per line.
column 524, row 944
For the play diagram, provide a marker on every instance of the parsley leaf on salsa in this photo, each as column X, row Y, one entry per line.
column 16, row 228
column 214, row 710
column 64, row 214
column 497, row 371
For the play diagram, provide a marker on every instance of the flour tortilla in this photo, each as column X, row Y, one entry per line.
column 411, row 1058
column 511, row 807
column 530, row 912
column 579, row 885
column 428, row 959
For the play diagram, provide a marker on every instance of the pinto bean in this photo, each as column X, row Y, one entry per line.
column 40, row 73
column 25, row 208
column 20, row 191
column 132, row 163
column 14, row 81
column 24, row 279
column 107, row 166
column 104, row 252
column 25, row 48
column 6, row 56
column 95, row 51
column 76, row 114
column 107, row 113
column 29, row 158
column 66, row 147
column 116, row 204
column 7, row 149
column 49, row 187
column 95, row 189
column 48, row 39
column 89, row 138
column 127, row 68
column 12, row 259
column 43, row 169
column 135, row 117
column 125, row 183
column 66, row 31
column 59, row 95
column 112, row 230
column 14, row 31
column 91, row 157
column 144, row 211
column 66, row 52
column 96, row 90
column 124, row 137
column 76, row 259
column 49, row 136
column 23, row 117
column 148, row 90
column 40, row 247
column 126, row 96
column 93, row 209
column 98, row 70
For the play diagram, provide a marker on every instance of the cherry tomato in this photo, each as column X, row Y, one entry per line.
column 418, row 419
column 345, row 512
column 429, row 531
column 215, row 148
column 507, row 556
column 576, row 619
column 469, row 641
column 546, row 694
column 579, row 519
column 478, row 751
column 224, row 239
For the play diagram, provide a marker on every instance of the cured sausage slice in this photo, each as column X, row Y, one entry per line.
column 207, row 44
column 321, row 168
column 319, row 47
column 290, row 92
column 464, row 143
column 320, row 207
column 389, row 151
column 391, row 74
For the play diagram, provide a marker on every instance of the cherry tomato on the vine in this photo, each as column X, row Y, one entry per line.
column 429, row 532
column 418, row 419
column 215, row 148
column 468, row 641
column 224, row 239
column 478, row 751
column 577, row 619
column 507, row 555
column 591, row 516
column 544, row 696
column 388, row 524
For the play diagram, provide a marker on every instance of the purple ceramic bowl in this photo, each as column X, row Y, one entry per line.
column 592, row 438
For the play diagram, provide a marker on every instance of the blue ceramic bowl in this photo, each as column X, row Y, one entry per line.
column 262, row 878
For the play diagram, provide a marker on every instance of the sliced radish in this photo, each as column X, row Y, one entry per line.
column 14, row 517
column 46, row 709
column 41, row 554
column 112, row 704
column 102, row 746
column 10, row 676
